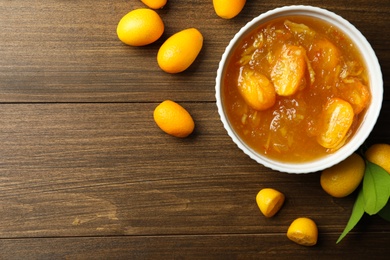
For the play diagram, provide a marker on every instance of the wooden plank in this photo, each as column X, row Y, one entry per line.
column 234, row 246
column 69, row 52
column 106, row 169
column 86, row 174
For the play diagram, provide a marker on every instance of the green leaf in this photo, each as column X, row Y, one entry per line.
column 356, row 215
column 376, row 189
column 385, row 212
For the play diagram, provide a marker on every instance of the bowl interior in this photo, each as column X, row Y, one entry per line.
column 375, row 82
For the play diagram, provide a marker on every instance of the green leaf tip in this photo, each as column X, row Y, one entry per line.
column 356, row 215
column 376, row 188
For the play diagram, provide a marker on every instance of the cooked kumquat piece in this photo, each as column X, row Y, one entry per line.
column 289, row 70
column 335, row 121
column 356, row 93
column 257, row 91
column 324, row 57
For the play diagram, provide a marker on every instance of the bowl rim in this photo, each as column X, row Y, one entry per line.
column 376, row 87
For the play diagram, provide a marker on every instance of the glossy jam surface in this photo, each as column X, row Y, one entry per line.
column 295, row 89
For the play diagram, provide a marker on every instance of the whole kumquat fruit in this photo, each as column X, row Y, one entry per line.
column 180, row 50
column 173, row 119
column 343, row 178
column 269, row 201
column 155, row 4
column 140, row 27
column 380, row 155
column 228, row 9
column 303, row 231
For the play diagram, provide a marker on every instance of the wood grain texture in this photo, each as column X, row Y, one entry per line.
column 86, row 174
column 68, row 51
column 235, row 246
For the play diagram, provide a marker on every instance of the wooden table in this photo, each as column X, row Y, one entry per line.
column 86, row 174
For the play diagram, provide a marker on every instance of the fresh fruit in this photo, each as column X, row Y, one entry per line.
column 155, row 4
column 343, row 178
column 289, row 70
column 380, row 155
column 335, row 121
column 228, row 9
column 140, row 27
column 173, row 119
column 269, row 201
column 257, row 91
column 303, row 231
column 180, row 50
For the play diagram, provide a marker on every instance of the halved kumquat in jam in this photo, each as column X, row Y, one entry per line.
column 256, row 89
column 335, row 122
column 289, row 70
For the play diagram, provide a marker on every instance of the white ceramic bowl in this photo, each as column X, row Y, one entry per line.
column 375, row 82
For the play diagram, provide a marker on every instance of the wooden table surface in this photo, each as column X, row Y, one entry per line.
column 86, row 174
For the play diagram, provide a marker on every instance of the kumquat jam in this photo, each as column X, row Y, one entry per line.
column 296, row 89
